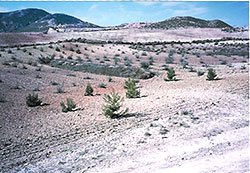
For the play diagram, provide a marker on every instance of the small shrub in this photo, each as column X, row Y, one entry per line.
column 9, row 51
column 57, row 49
column 69, row 57
column 70, row 105
column 38, row 77
column 36, row 89
column 71, row 75
column 78, row 51
column 145, row 65
column 170, row 75
column 113, row 105
column 130, row 86
column 211, row 74
column 89, row 90
column 32, row 100
column 45, row 60
column 170, row 58
column 110, row 79
column 151, row 60
column 223, row 62
column 14, row 64
column 54, row 83
column 7, row 63
column 24, row 67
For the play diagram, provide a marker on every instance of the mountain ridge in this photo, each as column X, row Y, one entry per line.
column 39, row 20
column 188, row 21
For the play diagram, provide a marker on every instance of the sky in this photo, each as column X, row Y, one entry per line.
column 235, row 13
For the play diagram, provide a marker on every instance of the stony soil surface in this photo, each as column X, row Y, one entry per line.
column 190, row 124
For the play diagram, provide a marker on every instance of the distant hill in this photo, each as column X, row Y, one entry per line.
column 188, row 22
column 37, row 20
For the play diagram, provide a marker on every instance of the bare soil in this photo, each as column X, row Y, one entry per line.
column 188, row 125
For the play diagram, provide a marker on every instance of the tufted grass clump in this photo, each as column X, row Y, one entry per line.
column 112, row 106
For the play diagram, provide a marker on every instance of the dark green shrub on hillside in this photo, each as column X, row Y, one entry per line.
column 78, row 51
column 70, row 105
column 32, row 100
column 170, row 75
column 130, row 86
column 89, row 90
column 112, row 106
column 169, row 59
column 211, row 74
column 151, row 60
column 45, row 60
column 145, row 65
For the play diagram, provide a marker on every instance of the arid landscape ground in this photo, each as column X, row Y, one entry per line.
column 187, row 125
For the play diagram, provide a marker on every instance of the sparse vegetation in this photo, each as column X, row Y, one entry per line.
column 145, row 65
column 170, row 75
column 211, row 74
column 131, row 89
column 32, row 100
column 70, row 105
column 89, row 90
column 113, row 105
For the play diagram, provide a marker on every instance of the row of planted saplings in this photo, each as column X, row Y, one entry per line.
column 111, row 108
column 171, row 76
column 112, row 105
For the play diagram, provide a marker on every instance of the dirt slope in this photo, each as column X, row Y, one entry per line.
column 190, row 124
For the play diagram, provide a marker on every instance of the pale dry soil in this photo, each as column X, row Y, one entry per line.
column 125, row 35
column 189, row 125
